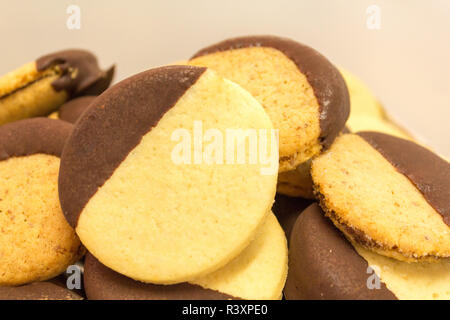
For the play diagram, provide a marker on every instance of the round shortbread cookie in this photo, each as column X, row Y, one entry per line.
column 38, row 291
column 303, row 93
column 36, row 242
column 40, row 87
column 125, row 181
column 387, row 194
column 324, row 265
column 259, row 272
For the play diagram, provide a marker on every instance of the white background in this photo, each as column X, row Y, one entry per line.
column 406, row 62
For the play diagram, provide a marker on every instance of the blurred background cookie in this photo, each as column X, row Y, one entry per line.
column 124, row 179
column 73, row 109
column 259, row 272
column 367, row 123
column 324, row 265
column 304, row 95
column 366, row 112
column 387, row 194
column 362, row 101
column 36, row 242
column 40, row 87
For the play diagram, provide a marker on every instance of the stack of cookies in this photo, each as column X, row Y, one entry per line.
column 187, row 181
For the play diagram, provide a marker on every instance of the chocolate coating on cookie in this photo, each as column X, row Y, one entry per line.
column 328, row 85
column 101, row 84
column 73, row 109
column 117, row 120
column 324, row 265
column 80, row 71
column 102, row 283
column 429, row 173
column 38, row 291
column 287, row 209
column 32, row 136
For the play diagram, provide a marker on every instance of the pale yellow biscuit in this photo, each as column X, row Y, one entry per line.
column 259, row 272
column 169, row 220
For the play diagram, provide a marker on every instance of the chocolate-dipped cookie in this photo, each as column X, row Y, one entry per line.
column 131, row 177
column 38, row 291
column 324, row 265
column 387, row 194
column 36, row 242
column 40, row 87
column 303, row 93
column 73, row 109
column 259, row 272
column 287, row 209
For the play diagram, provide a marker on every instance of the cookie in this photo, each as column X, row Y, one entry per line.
column 36, row 242
column 324, row 265
column 40, row 87
column 365, row 123
column 304, row 95
column 387, row 194
column 143, row 208
column 287, row 209
column 73, row 109
column 38, row 291
column 259, row 272
column 297, row 182
column 366, row 112
column 362, row 101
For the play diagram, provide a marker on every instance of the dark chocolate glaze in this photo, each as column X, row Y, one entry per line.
column 81, row 73
column 102, row 283
column 287, row 209
column 73, row 109
column 114, row 125
column 328, row 85
column 101, row 84
column 38, row 291
column 32, row 136
column 323, row 265
column 429, row 173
